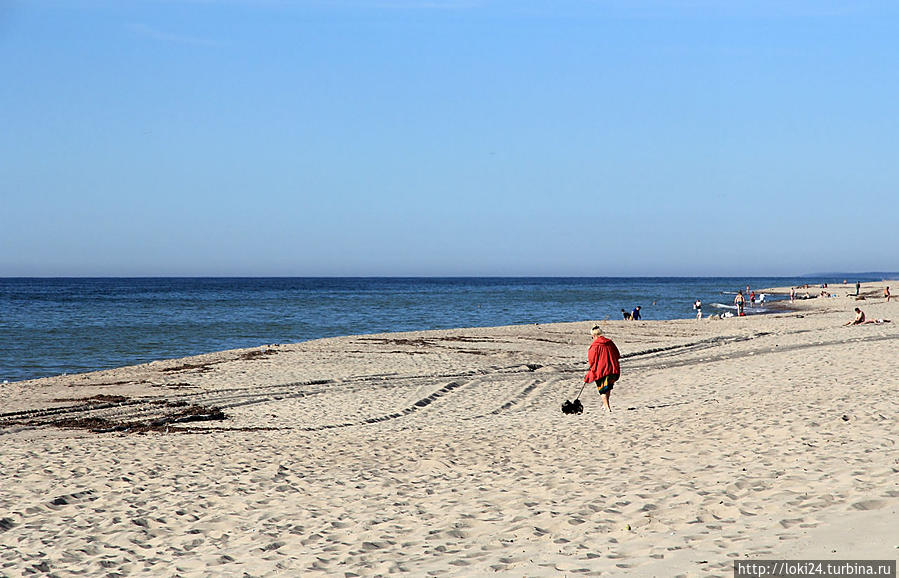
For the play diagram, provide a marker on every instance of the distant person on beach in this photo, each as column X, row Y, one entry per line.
column 857, row 287
column 792, row 294
column 635, row 314
column 752, row 298
column 860, row 319
column 604, row 369
column 739, row 301
column 626, row 315
column 698, row 307
column 886, row 294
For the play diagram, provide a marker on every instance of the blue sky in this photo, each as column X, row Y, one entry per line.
column 443, row 137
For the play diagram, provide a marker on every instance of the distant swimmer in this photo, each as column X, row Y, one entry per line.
column 739, row 301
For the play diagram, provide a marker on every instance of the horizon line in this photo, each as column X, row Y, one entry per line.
column 845, row 274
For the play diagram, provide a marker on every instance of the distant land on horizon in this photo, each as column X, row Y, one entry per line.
column 883, row 274
column 853, row 276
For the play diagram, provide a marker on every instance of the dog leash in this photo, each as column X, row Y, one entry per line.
column 581, row 391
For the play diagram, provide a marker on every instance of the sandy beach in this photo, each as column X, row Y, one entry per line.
column 445, row 453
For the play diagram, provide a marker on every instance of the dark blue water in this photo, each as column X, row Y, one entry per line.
column 54, row 326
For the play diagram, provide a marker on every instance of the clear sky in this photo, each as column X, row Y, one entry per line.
column 448, row 137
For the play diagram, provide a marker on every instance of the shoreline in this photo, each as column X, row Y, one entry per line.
column 445, row 453
column 66, row 327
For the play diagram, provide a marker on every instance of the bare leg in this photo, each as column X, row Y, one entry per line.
column 605, row 402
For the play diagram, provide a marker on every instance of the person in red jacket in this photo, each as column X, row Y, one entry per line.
column 604, row 367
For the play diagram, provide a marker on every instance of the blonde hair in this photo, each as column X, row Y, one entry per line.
column 597, row 330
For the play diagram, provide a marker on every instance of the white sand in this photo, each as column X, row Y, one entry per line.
column 445, row 453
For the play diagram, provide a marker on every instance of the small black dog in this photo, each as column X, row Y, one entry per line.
column 573, row 407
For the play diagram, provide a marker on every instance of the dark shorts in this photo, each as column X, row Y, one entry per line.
column 604, row 384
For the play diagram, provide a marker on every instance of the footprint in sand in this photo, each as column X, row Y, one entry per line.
column 869, row 505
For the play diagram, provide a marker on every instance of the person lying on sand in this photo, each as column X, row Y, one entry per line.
column 860, row 319
column 605, row 370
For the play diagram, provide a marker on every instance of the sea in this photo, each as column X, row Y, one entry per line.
column 54, row 326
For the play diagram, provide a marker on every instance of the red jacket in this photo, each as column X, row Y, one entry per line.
column 603, row 357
